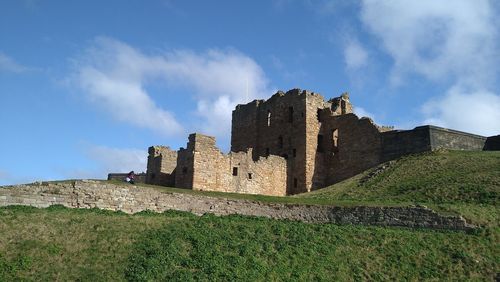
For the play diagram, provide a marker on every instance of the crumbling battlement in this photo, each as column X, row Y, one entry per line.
column 162, row 162
column 204, row 167
column 295, row 142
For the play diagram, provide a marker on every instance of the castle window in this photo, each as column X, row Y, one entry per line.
column 184, row 170
column 318, row 115
column 267, row 152
column 285, row 156
column 280, row 142
column 153, row 176
column 320, row 143
column 235, row 171
column 268, row 118
column 295, row 182
column 335, row 139
column 249, row 175
column 290, row 114
column 294, row 153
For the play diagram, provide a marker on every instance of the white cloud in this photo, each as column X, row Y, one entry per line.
column 355, row 56
column 115, row 74
column 117, row 160
column 361, row 112
column 475, row 112
column 8, row 64
column 455, row 43
column 437, row 39
column 107, row 160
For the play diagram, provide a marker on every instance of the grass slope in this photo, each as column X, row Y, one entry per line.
column 62, row 244
column 466, row 183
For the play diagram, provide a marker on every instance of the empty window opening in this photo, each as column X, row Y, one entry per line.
column 294, row 152
column 235, row 171
column 280, row 142
column 302, row 114
column 285, row 156
column 268, row 118
column 320, row 143
column 290, row 114
column 295, row 182
column 153, row 176
column 318, row 115
column 267, row 152
column 335, row 139
column 184, row 170
column 249, row 175
column 343, row 106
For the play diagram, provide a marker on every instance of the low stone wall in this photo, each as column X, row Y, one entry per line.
column 132, row 199
column 139, row 178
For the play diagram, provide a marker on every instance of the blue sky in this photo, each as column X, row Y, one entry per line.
column 87, row 86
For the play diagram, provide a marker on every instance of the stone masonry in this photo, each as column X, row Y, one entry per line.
column 132, row 199
column 295, row 142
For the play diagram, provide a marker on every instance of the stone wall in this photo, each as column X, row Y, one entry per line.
column 162, row 162
column 322, row 143
column 287, row 125
column 492, row 143
column 275, row 127
column 236, row 172
column 139, row 178
column 132, row 199
column 398, row 143
column 350, row 145
column 443, row 138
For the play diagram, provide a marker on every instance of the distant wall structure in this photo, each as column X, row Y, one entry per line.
column 295, row 142
column 139, row 178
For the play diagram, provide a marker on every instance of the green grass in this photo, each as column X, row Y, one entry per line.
column 436, row 177
column 62, row 244
column 459, row 182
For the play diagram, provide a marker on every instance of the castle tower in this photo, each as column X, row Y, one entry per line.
column 288, row 125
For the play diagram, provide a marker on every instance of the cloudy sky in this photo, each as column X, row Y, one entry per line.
column 87, row 86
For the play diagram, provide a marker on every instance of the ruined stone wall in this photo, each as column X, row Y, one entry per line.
column 315, row 166
column 162, row 162
column 266, row 176
column 184, row 173
column 139, row 178
column 132, row 199
column 398, row 143
column 287, row 125
column 351, row 145
column 279, row 129
column 244, row 129
column 236, row 172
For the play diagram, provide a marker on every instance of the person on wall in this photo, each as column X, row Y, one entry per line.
column 130, row 177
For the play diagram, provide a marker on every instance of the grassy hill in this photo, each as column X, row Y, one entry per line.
column 63, row 244
column 467, row 183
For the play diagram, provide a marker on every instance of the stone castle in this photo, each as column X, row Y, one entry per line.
column 295, row 142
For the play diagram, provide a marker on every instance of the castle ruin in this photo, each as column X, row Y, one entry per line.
column 296, row 142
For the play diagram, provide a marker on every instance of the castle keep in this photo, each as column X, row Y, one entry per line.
column 295, row 142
